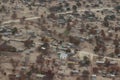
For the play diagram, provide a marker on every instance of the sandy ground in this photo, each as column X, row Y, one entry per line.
column 31, row 17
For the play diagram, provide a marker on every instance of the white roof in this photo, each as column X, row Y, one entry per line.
column 94, row 75
column 100, row 62
column 39, row 75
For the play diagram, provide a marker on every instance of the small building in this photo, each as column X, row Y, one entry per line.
column 113, row 62
column 100, row 63
column 39, row 76
column 74, row 72
column 93, row 77
column 62, row 55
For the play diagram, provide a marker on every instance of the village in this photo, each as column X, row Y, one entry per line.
column 59, row 39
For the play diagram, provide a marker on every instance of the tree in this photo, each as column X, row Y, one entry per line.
column 106, row 23
column 14, row 63
column 60, row 6
column 117, row 8
column 74, row 40
column 0, row 36
column 28, row 43
column 67, row 4
column 109, row 17
column 22, row 20
column 85, row 75
column 68, row 9
column 14, row 30
column 85, row 61
column 3, row 9
column 74, row 7
column 14, row 15
column 78, row 78
column 78, row 4
column 12, row 1
column 5, row 1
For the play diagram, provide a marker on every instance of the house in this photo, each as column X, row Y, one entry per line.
column 119, row 55
column 100, row 63
column 74, row 72
column 62, row 55
column 11, row 77
column 113, row 62
column 39, row 76
column 93, row 77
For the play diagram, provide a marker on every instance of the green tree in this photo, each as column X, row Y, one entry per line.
column 74, row 8
column 14, row 30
